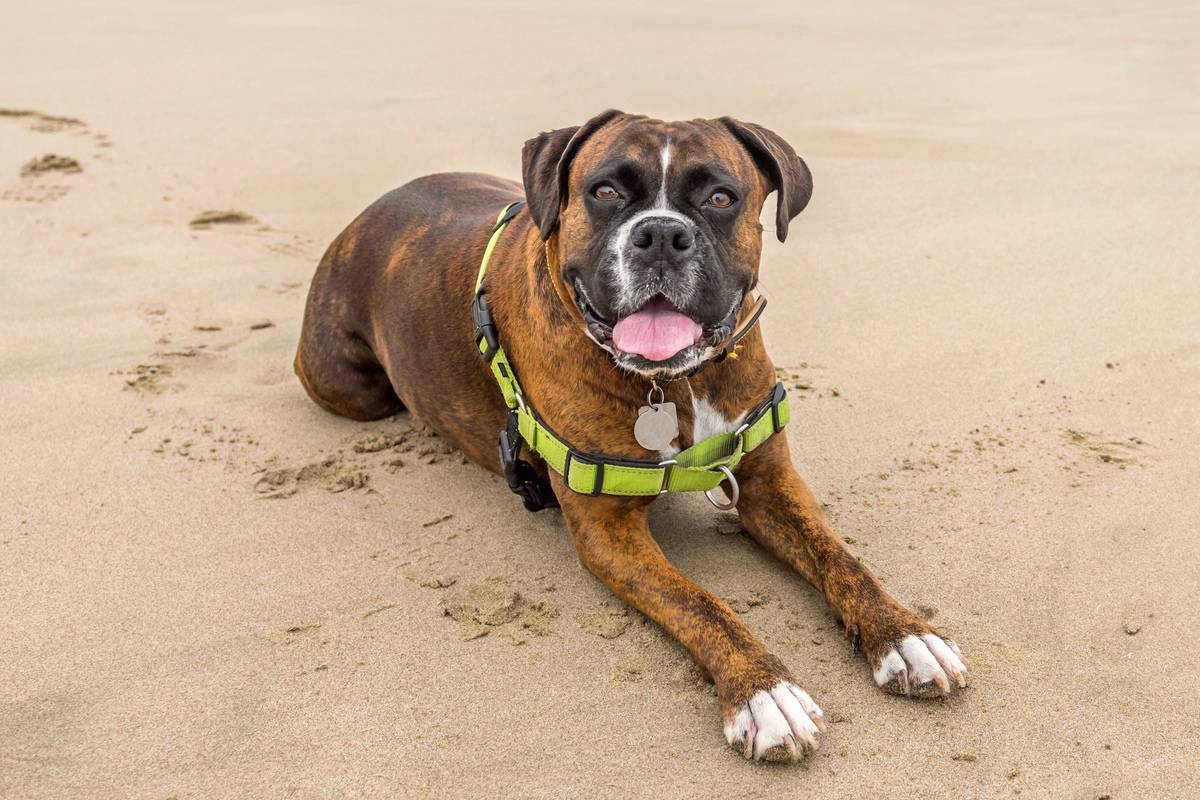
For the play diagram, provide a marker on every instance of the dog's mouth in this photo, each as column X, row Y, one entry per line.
column 656, row 332
column 598, row 327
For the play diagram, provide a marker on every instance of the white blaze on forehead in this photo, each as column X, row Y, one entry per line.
column 665, row 158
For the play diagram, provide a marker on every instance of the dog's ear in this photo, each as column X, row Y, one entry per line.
column 546, row 166
column 786, row 172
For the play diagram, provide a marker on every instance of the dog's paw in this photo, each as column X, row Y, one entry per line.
column 779, row 725
column 922, row 666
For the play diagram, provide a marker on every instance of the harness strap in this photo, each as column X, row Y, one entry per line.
column 510, row 211
column 696, row 469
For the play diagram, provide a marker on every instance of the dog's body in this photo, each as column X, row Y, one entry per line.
column 623, row 223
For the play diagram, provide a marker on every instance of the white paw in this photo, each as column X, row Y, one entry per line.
column 780, row 725
column 922, row 666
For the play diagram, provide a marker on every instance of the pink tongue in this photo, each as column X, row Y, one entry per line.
column 656, row 332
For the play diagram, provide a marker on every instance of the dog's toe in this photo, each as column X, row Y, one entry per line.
column 922, row 666
column 777, row 725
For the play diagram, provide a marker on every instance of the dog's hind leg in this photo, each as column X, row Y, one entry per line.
column 341, row 375
column 766, row 715
column 337, row 366
column 905, row 653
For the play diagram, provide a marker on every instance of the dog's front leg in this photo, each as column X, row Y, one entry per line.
column 906, row 655
column 766, row 715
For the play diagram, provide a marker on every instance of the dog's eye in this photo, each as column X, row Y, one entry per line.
column 720, row 199
column 605, row 192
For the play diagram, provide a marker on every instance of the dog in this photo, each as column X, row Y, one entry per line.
column 621, row 280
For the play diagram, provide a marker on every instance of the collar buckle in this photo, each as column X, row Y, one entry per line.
column 520, row 475
column 777, row 397
column 485, row 328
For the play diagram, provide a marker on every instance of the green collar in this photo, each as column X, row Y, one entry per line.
column 700, row 468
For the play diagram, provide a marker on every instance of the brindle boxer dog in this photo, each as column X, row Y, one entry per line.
column 638, row 239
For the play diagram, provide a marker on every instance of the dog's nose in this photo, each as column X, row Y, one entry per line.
column 668, row 238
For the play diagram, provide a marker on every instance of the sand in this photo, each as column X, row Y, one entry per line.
column 988, row 315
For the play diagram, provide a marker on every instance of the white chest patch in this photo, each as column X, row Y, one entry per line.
column 707, row 421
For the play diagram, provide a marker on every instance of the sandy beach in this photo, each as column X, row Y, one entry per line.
column 988, row 318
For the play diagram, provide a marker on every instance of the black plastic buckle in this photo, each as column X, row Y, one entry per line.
column 522, row 478
column 777, row 397
column 485, row 328
column 508, row 214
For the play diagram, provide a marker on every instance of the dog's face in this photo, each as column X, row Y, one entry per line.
column 655, row 228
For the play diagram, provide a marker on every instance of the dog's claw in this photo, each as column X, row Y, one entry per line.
column 779, row 725
column 922, row 666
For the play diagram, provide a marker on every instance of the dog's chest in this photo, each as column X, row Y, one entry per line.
column 706, row 421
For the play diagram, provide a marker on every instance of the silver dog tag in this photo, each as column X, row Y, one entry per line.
column 657, row 426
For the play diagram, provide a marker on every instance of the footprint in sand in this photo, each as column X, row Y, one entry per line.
column 333, row 473
column 283, row 243
column 207, row 220
column 147, row 378
column 158, row 374
column 34, row 186
column 285, row 287
column 1031, row 447
column 609, row 620
column 202, row 354
column 297, row 246
column 205, row 440
column 50, row 163
column 1118, row 452
column 349, row 468
column 34, row 193
column 44, row 123
column 493, row 606
column 40, row 177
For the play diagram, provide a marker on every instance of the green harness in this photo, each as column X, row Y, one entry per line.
column 700, row 468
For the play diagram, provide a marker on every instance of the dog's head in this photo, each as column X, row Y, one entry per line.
column 654, row 229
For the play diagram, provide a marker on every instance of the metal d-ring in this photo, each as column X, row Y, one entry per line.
column 662, row 395
column 733, row 491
